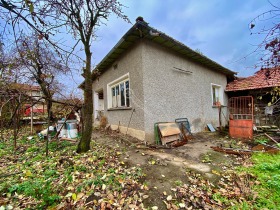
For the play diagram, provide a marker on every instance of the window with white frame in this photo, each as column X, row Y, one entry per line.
column 118, row 93
column 217, row 95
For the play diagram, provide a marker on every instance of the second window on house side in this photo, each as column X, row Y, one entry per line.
column 217, row 95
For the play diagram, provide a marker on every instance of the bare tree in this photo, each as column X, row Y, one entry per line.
column 80, row 18
column 11, row 101
column 41, row 64
column 268, row 24
column 83, row 17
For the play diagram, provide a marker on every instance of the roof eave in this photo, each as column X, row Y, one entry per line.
column 132, row 35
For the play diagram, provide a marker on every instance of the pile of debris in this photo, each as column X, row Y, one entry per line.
column 267, row 129
column 271, row 147
column 173, row 133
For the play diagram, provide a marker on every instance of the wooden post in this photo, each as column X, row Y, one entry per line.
column 31, row 115
column 220, row 119
column 15, row 127
column 272, row 139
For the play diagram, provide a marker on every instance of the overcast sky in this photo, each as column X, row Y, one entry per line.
column 217, row 28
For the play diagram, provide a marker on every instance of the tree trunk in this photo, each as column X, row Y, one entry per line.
column 15, row 131
column 49, row 107
column 84, row 144
column 15, row 125
column 1, row 129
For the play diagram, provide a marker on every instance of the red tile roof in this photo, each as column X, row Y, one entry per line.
column 25, row 87
column 263, row 78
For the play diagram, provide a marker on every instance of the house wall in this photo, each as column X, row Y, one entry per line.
column 36, row 94
column 130, row 62
column 170, row 94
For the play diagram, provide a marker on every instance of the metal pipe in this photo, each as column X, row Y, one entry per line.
column 129, row 121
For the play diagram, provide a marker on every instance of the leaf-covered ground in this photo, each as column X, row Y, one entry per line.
column 104, row 178
column 65, row 179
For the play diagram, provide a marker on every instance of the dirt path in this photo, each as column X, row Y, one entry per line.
column 164, row 168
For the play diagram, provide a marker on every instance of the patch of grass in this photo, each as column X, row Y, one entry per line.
column 102, row 162
column 38, row 189
column 266, row 168
column 38, row 157
column 6, row 148
column 178, row 183
column 206, row 158
column 57, row 146
column 51, row 173
column 244, row 206
column 261, row 140
column 33, row 149
column 68, row 175
column 221, row 199
column 2, row 145
column 81, row 168
column 53, row 146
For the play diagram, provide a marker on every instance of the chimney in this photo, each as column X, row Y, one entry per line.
column 140, row 19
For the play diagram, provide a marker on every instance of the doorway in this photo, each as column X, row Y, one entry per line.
column 98, row 105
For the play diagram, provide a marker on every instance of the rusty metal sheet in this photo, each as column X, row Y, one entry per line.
column 232, row 151
column 168, row 129
column 241, row 129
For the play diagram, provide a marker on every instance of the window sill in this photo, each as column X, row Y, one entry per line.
column 119, row 108
column 216, row 106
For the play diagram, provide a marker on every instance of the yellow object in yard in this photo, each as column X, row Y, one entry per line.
column 168, row 129
column 169, row 132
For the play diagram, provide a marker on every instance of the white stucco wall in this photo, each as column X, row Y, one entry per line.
column 170, row 94
column 129, row 63
column 160, row 93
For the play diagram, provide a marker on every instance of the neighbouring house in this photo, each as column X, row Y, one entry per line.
column 149, row 77
column 261, row 86
column 33, row 94
column 21, row 100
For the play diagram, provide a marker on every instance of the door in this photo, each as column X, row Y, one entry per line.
column 98, row 105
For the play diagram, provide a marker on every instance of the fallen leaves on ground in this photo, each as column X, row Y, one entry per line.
column 99, row 179
column 200, row 193
column 65, row 179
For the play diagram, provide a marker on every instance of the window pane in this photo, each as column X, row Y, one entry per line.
column 214, row 95
column 127, row 93
column 118, row 100
column 216, row 91
column 122, row 94
column 113, row 91
column 217, row 94
column 113, row 97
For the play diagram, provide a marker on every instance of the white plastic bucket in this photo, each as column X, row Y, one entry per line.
column 72, row 131
column 63, row 132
